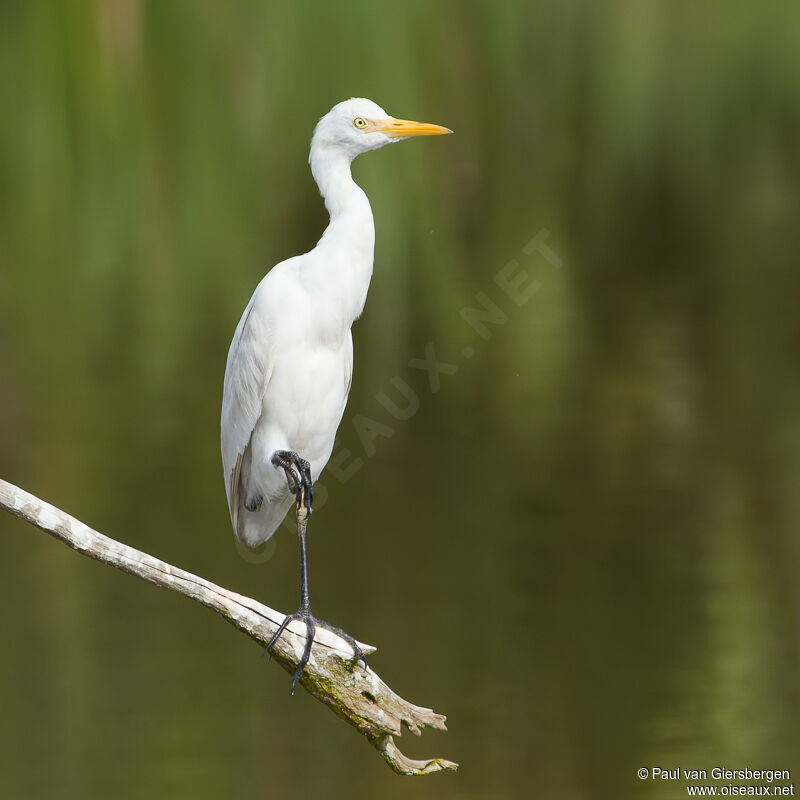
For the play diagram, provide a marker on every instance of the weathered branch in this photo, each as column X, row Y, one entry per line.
column 356, row 695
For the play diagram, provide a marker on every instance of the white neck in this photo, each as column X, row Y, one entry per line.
column 347, row 246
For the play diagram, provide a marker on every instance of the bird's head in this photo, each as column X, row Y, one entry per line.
column 357, row 125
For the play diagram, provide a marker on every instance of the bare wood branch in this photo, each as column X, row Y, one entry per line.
column 352, row 693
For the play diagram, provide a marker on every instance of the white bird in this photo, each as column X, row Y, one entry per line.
column 290, row 363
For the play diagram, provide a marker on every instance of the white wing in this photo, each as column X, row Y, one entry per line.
column 247, row 375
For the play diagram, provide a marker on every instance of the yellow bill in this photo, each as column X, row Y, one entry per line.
column 400, row 128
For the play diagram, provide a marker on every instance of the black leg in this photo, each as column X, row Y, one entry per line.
column 298, row 476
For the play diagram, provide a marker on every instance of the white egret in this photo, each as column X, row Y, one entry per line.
column 290, row 363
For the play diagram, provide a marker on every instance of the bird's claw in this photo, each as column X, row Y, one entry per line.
column 311, row 623
column 298, row 476
column 358, row 653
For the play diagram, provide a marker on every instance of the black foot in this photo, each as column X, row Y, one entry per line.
column 311, row 622
column 298, row 476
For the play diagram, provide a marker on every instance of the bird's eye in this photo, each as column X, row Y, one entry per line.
column 360, row 122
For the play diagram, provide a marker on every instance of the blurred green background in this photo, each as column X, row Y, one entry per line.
column 583, row 548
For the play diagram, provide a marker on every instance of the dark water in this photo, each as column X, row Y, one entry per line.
column 582, row 546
